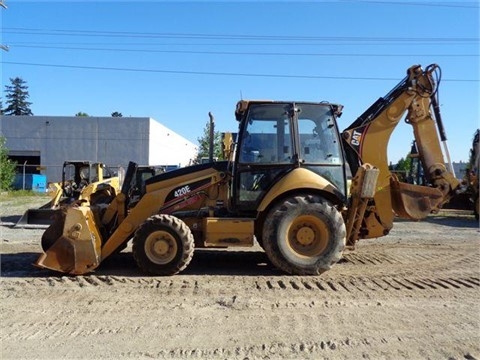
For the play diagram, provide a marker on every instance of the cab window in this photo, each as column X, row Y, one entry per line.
column 319, row 143
column 267, row 137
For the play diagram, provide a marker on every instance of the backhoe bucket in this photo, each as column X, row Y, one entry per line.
column 414, row 201
column 78, row 250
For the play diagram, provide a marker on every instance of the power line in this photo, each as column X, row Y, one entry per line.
column 169, row 44
column 216, row 73
column 466, row 4
column 239, row 52
column 200, row 36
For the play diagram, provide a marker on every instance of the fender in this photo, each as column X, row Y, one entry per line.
column 297, row 179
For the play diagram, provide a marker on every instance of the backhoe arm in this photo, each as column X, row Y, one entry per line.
column 366, row 142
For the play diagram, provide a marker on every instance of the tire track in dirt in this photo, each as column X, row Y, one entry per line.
column 264, row 351
column 183, row 287
column 44, row 330
column 424, row 259
column 326, row 348
column 290, row 302
column 20, row 265
column 91, row 326
column 367, row 284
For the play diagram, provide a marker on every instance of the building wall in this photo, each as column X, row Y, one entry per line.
column 169, row 148
column 112, row 140
column 460, row 169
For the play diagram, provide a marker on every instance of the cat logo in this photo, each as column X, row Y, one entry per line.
column 356, row 137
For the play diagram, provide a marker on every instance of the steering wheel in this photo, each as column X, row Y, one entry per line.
column 257, row 182
column 68, row 188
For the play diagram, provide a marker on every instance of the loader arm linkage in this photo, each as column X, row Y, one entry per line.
column 90, row 235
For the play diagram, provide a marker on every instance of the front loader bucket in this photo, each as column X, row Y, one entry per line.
column 38, row 218
column 414, row 201
column 78, row 250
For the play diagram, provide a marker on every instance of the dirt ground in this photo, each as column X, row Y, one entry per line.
column 411, row 295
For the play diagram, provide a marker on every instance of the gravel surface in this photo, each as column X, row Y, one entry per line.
column 410, row 295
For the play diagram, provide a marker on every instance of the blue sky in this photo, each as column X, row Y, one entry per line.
column 176, row 61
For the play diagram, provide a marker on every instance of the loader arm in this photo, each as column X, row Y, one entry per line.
column 88, row 237
column 165, row 195
column 366, row 141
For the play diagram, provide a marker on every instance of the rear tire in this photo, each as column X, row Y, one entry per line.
column 163, row 245
column 304, row 235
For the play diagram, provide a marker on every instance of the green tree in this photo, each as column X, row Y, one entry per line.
column 1, row 107
column 82, row 114
column 204, row 144
column 404, row 164
column 17, row 95
column 403, row 169
column 473, row 154
column 117, row 114
column 7, row 167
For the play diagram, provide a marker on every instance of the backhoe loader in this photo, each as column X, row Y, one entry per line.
column 284, row 184
column 81, row 179
column 84, row 181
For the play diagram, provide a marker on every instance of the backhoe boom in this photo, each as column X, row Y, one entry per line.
column 366, row 141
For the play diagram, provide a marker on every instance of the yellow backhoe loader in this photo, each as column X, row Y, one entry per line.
column 285, row 184
column 84, row 181
column 81, row 180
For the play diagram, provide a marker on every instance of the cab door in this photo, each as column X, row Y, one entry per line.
column 265, row 152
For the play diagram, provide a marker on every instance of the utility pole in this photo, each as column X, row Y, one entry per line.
column 3, row 47
column 211, row 137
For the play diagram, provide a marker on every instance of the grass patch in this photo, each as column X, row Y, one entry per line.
column 12, row 194
column 21, row 197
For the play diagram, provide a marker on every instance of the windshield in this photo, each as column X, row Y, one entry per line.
column 278, row 136
column 267, row 137
column 69, row 171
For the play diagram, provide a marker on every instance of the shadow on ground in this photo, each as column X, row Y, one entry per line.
column 204, row 262
column 457, row 220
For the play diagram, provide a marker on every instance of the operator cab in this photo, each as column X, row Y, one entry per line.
column 276, row 137
column 79, row 174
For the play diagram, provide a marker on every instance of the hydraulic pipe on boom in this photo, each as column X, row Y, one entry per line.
column 441, row 130
column 366, row 141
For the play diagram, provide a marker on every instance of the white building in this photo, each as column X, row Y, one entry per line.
column 41, row 144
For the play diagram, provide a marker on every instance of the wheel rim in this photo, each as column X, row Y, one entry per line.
column 161, row 247
column 308, row 235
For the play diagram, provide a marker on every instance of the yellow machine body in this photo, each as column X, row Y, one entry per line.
column 283, row 184
column 90, row 181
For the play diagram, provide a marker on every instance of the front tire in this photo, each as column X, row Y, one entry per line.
column 163, row 245
column 304, row 235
